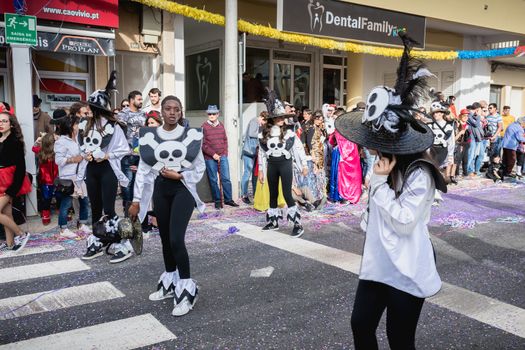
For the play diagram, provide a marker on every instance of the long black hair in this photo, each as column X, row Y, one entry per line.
column 16, row 130
column 402, row 169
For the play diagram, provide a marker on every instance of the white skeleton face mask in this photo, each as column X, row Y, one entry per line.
column 171, row 154
column 329, row 125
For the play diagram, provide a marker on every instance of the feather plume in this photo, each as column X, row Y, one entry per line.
column 111, row 86
column 411, row 83
column 270, row 101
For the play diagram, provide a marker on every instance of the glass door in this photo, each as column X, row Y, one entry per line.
column 291, row 82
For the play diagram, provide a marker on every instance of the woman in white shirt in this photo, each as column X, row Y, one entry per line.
column 68, row 157
column 398, row 269
column 171, row 164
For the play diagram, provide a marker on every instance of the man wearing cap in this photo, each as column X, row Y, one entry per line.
column 41, row 120
column 215, row 149
column 476, row 136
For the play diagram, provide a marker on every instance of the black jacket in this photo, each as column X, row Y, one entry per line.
column 12, row 153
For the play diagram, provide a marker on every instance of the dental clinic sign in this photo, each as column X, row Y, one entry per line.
column 339, row 19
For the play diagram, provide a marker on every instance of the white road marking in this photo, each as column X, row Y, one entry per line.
column 26, row 272
column 264, row 272
column 59, row 299
column 33, row 250
column 128, row 333
column 479, row 307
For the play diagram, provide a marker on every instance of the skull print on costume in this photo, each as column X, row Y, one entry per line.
column 175, row 154
column 93, row 141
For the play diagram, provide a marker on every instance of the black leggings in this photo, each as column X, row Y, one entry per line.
column 282, row 168
column 173, row 205
column 101, row 184
column 402, row 314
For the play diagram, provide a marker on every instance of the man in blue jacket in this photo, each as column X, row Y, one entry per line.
column 513, row 139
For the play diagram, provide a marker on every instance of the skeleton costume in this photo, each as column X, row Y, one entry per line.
column 173, row 201
column 398, row 269
column 444, row 138
column 276, row 158
column 105, row 137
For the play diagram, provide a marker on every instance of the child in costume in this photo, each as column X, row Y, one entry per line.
column 47, row 172
column 398, row 269
column 279, row 148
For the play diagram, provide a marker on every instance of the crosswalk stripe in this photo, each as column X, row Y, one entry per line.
column 52, row 268
column 128, row 333
column 479, row 307
column 59, row 299
column 33, row 250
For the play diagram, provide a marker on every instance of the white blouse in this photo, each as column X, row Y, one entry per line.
column 398, row 251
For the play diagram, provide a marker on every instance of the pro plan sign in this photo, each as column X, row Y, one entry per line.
column 343, row 20
column 68, row 43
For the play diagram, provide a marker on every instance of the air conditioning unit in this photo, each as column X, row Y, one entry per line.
column 151, row 25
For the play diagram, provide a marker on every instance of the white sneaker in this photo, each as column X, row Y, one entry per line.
column 84, row 228
column 162, row 294
column 20, row 242
column 67, row 233
column 183, row 307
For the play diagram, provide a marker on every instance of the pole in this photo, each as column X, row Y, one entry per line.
column 231, row 108
column 242, row 69
column 24, row 112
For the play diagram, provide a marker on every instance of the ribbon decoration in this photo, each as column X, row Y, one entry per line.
column 269, row 32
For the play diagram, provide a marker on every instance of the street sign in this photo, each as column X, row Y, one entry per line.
column 20, row 29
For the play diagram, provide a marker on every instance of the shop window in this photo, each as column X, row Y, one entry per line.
column 2, row 88
column 257, row 75
column 333, row 60
column 495, row 94
column 203, row 80
column 3, row 57
column 61, row 93
column 60, row 62
column 282, row 82
column 135, row 73
column 332, row 85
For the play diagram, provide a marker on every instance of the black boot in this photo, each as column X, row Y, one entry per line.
column 295, row 217
column 272, row 220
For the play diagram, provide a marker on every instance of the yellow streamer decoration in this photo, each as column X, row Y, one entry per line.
column 269, row 32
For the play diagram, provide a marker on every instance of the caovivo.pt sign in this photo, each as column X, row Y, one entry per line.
column 338, row 19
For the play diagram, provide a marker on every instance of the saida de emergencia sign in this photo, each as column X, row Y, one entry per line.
column 20, row 29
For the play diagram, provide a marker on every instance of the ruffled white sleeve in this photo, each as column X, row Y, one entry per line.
column 118, row 146
column 143, row 175
column 298, row 152
column 403, row 213
column 194, row 175
column 261, row 158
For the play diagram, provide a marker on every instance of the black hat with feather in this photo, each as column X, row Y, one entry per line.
column 387, row 124
column 100, row 100
column 275, row 107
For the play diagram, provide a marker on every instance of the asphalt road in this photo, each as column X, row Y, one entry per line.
column 305, row 302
